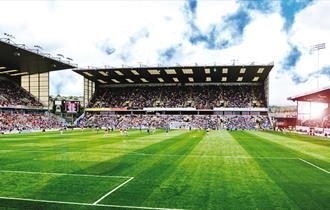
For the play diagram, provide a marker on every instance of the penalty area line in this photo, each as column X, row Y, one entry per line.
column 309, row 163
column 85, row 204
column 113, row 190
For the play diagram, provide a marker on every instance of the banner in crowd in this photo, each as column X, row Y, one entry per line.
column 169, row 109
column 241, row 109
column 105, row 109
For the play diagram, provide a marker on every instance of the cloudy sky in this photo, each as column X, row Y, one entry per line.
column 99, row 33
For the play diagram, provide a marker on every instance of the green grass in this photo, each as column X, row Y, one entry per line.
column 185, row 169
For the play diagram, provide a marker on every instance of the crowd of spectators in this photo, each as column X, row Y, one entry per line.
column 11, row 95
column 214, row 122
column 134, row 97
column 247, row 122
column 15, row 121
column 326, row 122
column 206, row 97
column 312, row 123
column 317, row 123
column 201, row 97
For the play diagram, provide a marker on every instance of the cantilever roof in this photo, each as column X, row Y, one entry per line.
column 178, row 74
column 321, row 95
column 18, row 60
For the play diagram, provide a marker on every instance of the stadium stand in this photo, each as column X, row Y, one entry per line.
column 200, row 97
column 176, row 97
column 195, row 97
column 26, row 121
column 24, row 88
column 321, row 95
column 214, row 122
column 20, row 111
column 11, row 95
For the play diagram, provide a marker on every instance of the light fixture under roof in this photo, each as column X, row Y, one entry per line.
column 242, row 70
column 170, row 71
column 239, row 79
column 2, row 67
column 104, row 73
column 225, row 70
column 8, row 71
column 153, row 71
column 160, row 79
column 175, row 79
column 191, row 79
column 208, row 79
column 18, row 74
column 255, row 79
column 260, row 70
column 187, row 71
column 115, row 81
column 207, row 71
column 144, row 80
column 135, row 72
column 129, row 80
column 87, row 73
column 119, row 73
column 224, row 79
column 101, row 81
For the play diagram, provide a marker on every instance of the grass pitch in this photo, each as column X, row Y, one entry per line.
column 181, row 170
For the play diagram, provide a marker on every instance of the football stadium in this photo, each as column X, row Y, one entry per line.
column 158, row 137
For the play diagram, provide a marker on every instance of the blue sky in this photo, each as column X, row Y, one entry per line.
column 113, row 33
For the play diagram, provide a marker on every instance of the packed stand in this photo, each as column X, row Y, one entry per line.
column 247, row 122
column 325, row 123
column 134, row 97
column 173, row 96
column 200, row 97
column 11, row 95
column 312, row 123
column 14, row 121
column 206, row 97
column 214, row 122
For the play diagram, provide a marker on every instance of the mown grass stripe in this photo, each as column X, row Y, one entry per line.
column 63, row 174
column 185, row 169
column 300, row 184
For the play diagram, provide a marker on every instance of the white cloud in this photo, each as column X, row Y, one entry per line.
column 210, row 12
column 312, row 27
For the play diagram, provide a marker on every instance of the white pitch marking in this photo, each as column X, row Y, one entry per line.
column 86, row 204
column 322, row 169
column 63, row 174
column 96, row 202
